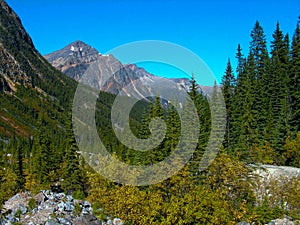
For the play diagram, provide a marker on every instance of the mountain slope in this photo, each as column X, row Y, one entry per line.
column 29, row 85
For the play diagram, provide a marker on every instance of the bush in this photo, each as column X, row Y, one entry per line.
column 31, row 204
column 78, row 195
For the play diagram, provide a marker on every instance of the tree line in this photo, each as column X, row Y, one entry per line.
column 262, row 100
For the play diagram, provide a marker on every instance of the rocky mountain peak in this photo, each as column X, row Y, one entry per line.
column 74, row 59
column 76, row 51
column 109, row 74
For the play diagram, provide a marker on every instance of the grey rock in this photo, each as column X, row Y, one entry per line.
column 51, row 222
column 64, row 221
column 117, row 221
column 86, row 204
column 284, row 221
column 69, row 207
column 69, row 198
column 59, row 204
column 85, row 212
column 243, row 223
column 109, row 222
column 23, row 209
column 87, row 220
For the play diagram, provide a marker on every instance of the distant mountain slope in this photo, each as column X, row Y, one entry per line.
column 29, row 85
column 75, row 59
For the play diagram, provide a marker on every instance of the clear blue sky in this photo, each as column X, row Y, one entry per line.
column 210, row 28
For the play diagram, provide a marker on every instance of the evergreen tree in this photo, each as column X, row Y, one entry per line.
column 279, row 90
column 228, row 85
column 139, row 157
column 246, row 121
column 239, row 91
column 173, row 131
column 258, row 48
column 295, row 80
column 41, row 155
column 158, row 153
column 20, row 170
column 241, row 61
column 201, row 103
column 72, row 174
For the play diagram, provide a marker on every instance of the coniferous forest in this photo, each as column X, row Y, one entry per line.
column 262, row 97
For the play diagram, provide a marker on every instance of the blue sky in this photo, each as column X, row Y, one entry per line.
column 211, row 29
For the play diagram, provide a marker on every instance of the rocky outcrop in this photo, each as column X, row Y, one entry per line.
column 270, row 181
column 285, row 221
column 270, row 171
column 48, row 208
column 269, row 176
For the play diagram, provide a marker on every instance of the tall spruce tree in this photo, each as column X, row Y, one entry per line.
column 258, row 48
column 295, row 81
column 20, row 162
column 239, row 91
column 228, row 85
column 201, row 103
column 41, row 155
column 279, row 91
column 72, row 174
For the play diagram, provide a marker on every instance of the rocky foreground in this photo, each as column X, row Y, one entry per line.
column 48, row 208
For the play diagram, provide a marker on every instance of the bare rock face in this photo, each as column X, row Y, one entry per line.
column 74, row 59
column 269, row 175
column 48, row 208
column 106, row 73
column 270, row 171
column 269, row 181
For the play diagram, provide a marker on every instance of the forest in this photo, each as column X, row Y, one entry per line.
column 262, row 100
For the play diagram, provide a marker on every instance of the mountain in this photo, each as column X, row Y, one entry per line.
column 29, row 85
column 31, row 88
column 75, row 59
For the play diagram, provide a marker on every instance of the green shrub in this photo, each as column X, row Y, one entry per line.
column 31, row 204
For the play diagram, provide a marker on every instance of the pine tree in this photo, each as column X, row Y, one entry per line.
column 279, row 90
column 20, row 170
column 258, row 48
column 139, row 157
column 228, row 85
column 72, row 174
column 295, row 81
column 173, row 131
column 41, row 155
column 247, row 136
column 241, row 61
column 160, row 152
column 203, row 111
column 237, row 104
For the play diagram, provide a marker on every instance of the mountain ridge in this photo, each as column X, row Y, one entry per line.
column 74, row 60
